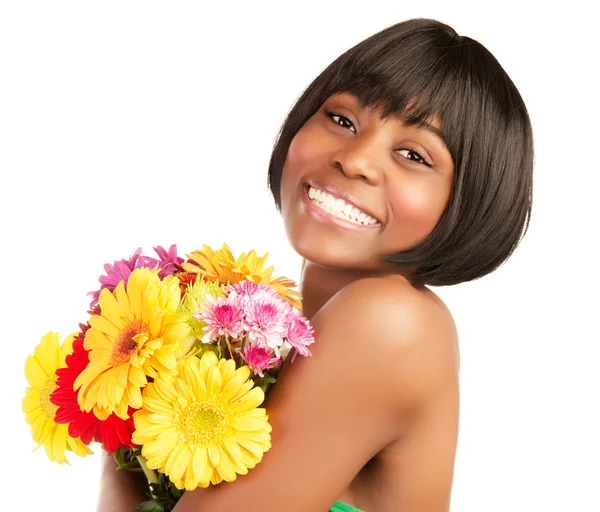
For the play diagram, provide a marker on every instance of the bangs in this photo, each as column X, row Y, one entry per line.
column 418, row 79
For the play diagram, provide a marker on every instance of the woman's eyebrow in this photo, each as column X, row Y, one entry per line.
column 435, row 131
column 424, row 126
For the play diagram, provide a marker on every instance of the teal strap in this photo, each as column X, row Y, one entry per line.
column 340, row 506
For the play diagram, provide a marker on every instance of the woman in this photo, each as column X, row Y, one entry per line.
column 407, row 162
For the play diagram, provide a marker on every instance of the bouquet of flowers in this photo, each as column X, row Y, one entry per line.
column 170, row 368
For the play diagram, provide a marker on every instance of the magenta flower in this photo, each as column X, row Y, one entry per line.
column 120, row 270
column 264, row 320
column 169, row 259
column 299, row 333
column 223, row 318
column 259, row 359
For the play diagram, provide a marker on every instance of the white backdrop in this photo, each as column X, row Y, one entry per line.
column 126, row 124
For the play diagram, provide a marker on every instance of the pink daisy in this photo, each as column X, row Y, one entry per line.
column 223, row 318
column 259, row 359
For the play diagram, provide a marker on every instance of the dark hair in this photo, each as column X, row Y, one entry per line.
column 417, row 69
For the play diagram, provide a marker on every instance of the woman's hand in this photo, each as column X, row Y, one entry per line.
column 120, row 491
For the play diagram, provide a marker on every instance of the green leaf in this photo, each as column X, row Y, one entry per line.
column 126, row 459
column 265, row 382
column 150, row 506
column 267, row 379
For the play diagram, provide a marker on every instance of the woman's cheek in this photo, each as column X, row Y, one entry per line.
column 307, row 152
column 305, row 148
column 415, row 212
column 296, row 158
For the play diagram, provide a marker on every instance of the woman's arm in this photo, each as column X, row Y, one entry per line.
column 120, row 491
column 376, row 360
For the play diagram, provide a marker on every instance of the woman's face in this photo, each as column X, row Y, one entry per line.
column 354, row 187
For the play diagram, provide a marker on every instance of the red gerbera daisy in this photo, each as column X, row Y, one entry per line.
column 113, row 432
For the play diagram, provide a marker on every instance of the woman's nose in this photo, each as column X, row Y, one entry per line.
column 360, row 159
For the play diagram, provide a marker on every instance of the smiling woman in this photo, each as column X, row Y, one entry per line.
column 407, row 162
column 417, row 88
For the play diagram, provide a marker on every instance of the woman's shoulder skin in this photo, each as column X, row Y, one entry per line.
column 369, row 397
column 415, row 472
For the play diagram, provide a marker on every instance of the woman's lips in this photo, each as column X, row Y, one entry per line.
column 345, row 196
column 322, row 216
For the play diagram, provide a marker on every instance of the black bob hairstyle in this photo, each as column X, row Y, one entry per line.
column 425, row 65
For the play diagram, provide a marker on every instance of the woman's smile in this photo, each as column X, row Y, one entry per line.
column 335, row 211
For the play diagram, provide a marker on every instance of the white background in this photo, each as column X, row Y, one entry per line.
column 126, row 124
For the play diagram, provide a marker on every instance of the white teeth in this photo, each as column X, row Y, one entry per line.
column 339, row 207
column 329, row 201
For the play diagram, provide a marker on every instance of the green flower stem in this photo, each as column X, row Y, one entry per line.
column 151, row 475
column 228, row 346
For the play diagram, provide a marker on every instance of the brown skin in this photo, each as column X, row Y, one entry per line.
column 120, row 490
column 372, row 417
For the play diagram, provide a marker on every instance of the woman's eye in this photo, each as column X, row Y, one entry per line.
column 420, row 158
column 346, row 123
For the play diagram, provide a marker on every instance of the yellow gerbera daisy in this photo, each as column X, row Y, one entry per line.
column 202, row 425
column 137, row 333
column 222, row 265
column 40, row 371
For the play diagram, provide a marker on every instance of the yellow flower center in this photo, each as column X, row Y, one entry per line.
column 126, row 343
column 47, row 407
column 203, row 423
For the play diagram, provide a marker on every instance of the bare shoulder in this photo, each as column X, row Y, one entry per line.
column 393, row 296
column 411, row 332
column 389, row 305
column 417, row 346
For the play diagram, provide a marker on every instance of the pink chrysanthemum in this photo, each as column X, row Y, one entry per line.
column 120, row 270
column 223, row 318
column 249, row 288
column 299, row 332
column 259, row 359
column 264, row 320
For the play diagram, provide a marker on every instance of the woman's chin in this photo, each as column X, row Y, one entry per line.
column 332, row 253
